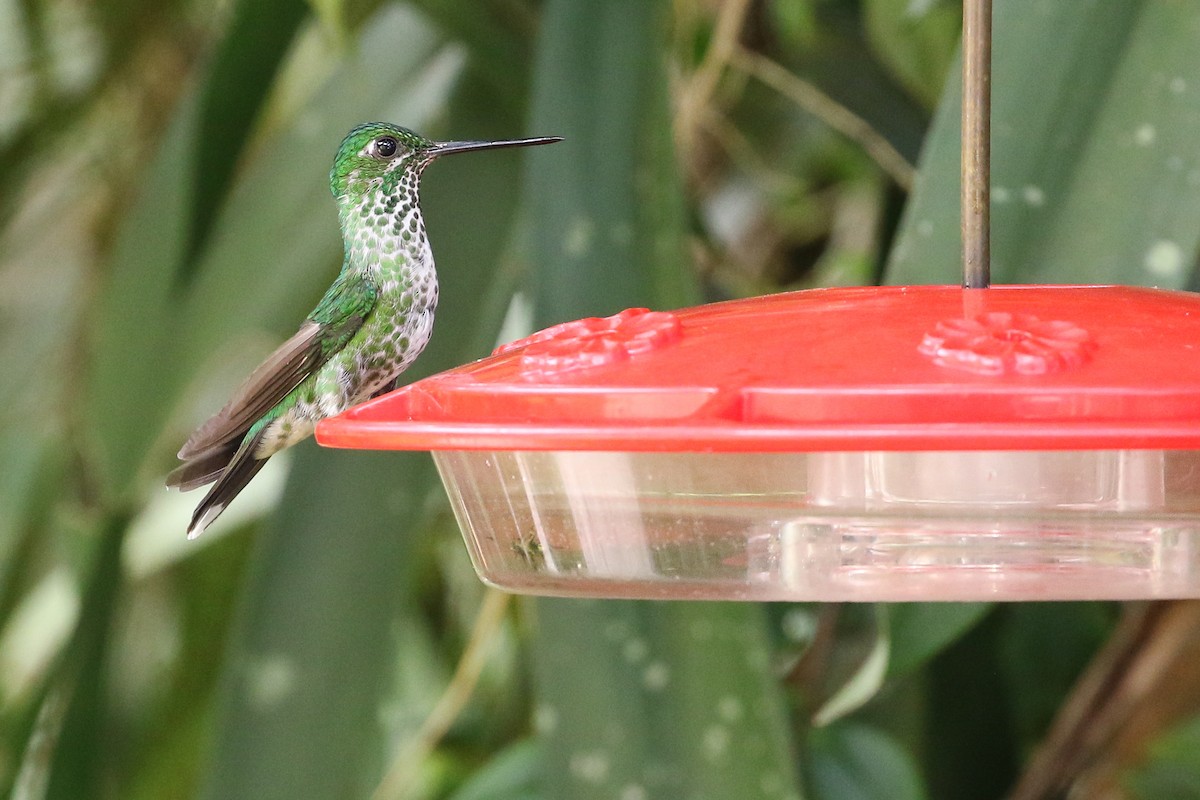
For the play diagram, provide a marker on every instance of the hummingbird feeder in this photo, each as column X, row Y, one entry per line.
column 875, row 443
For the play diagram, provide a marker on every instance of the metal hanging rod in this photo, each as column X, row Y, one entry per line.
column 976, row 143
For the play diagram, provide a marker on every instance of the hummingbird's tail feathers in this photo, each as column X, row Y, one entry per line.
column 202, row 470
column 280, row 373
column 241, row 468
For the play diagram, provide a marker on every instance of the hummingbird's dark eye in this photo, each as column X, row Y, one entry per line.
column 386, row 146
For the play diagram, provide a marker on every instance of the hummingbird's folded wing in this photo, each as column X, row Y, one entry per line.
column 336, row 318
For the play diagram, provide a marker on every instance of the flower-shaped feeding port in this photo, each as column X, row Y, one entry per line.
column 1000, row 342
column 879, row 443
column 593, row 342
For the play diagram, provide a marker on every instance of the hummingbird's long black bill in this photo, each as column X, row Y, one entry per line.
column 445, row 148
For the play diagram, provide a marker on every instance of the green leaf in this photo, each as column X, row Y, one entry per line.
column 606, row 200
column 968, row 738
column 921, row 630
column 234, row 91
column 299, row 712
column 916, row 39
column 836, row 57
column 499, row 35
column 163, row 757
column 631, row 702
column 332, row 14
column 133, row 318
column 852, row 761
column 1095, row 163
column 81, row 680
column 905, row 636
column 514, row 774
column 866, row 681
column 1044, row 647
column 28, row 483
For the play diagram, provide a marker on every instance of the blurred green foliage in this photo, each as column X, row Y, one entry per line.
column 165, row 221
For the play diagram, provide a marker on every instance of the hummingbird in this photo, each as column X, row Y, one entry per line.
column 369, row 327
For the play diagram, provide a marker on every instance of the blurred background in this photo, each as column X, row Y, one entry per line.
column 165, row 222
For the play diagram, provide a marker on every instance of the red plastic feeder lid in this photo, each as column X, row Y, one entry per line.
column 848, row 369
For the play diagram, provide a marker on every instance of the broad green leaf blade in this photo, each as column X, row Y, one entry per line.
column 1044, row 648
column 968, row 728
column 851, row 761
column 866, row 681
column 299, row 710
column 514, row 774
column 639, row 699
column 172, row 746
column 498, row 34
column 921, row 630
column 133, row 317
column 77, row 765
column 31, row 478
column 916, row 40
column 1095, row 161
column 237, row 84
column 906, row 636
column 605, row 204
column 45, row 256
column 836, row 57
column 332, row 14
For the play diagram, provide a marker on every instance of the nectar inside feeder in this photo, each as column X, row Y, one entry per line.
column 896, row 443
column 903, row 443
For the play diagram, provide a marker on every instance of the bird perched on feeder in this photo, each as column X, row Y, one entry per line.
column 369, row 327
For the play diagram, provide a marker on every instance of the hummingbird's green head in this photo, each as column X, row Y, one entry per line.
column 381, row 158
column 374, row 154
